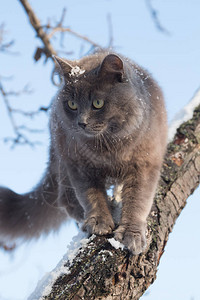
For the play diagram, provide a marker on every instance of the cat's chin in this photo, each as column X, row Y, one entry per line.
column 91, row 133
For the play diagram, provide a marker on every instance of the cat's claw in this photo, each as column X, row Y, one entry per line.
column 134, row 240
column 98, row 225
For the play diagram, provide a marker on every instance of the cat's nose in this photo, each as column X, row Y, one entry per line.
column 82, row 124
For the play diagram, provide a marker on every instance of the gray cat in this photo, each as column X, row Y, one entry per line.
column 108, row 127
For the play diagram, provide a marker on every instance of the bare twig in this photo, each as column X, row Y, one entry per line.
column 18, row 130
column 61, row 24
column 29, row 114
column 19, row 137
column 46, row 32
column 62, row 17
column 35, row 22
column 8, row 107
column 31, row 130
column 5, row 46
column 154, row 15
column 25, row 90
column 69, row 30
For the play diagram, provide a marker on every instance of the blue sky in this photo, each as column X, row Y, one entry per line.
column 172, row 59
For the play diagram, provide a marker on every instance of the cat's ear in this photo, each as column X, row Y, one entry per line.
column 112, row 67
column 62, row 67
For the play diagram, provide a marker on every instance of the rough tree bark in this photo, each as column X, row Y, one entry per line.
column 99, row 271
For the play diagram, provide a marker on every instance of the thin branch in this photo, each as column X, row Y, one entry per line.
column 154, row 15
column 35, row 22
column 69, row 30
column 29, row 114
column 25, row 90
column 62, row 36
column 19, row 137
column 5, row 46
column 60, row 23
column 21, row 140
column 30, row 130
column 59, row 27
column 9, row 109
column 46, row 36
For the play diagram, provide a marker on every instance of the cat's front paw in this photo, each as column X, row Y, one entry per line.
column 133, row 237
column 100, row 225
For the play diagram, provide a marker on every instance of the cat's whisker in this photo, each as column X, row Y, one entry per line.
column 111, row 140
column 100, row 142
column 69, row 144
column 96, row 142
column 99, row 147
column 105, row 142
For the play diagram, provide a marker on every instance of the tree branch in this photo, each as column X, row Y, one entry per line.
column 5, row 46
column 99, row 271
column 35, row 22
column 19, row 137
column 45, row 33
column 45, row 36
column 69, row 30
column 154, row 15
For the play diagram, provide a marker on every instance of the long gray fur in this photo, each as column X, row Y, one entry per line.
column 121, row 143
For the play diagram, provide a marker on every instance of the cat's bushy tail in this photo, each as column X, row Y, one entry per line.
column 29, row 215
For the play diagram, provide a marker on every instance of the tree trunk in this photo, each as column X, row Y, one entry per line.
column 99, row 270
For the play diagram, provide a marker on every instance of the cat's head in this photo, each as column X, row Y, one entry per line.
column 98, row 97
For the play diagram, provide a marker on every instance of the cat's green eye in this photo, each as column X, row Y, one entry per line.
column 72, row 105
column 99, row 103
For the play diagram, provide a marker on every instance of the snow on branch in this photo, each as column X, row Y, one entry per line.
column 184, row 114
